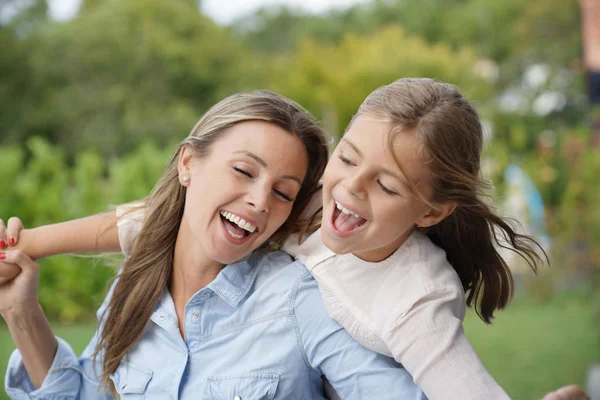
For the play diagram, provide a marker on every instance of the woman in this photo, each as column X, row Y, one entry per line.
column 179, row 322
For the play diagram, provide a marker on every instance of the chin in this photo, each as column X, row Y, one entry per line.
column 334, row 245
column 226, row 258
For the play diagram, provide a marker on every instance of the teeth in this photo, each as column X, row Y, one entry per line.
column 241, row 222
column 345, row 210
column 234, row 235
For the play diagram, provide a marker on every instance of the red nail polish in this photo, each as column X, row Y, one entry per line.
column 11, row 241
column 2, row 255
column 2, row 244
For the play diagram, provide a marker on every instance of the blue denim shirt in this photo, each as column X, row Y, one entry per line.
column 258, row 331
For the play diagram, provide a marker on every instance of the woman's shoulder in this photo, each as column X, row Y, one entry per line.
column 280, row 276
column 277, row 262
column 277, row 271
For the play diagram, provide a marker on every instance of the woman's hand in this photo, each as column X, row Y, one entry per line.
column 25, row 318
column 21, row 293
column 9, row 237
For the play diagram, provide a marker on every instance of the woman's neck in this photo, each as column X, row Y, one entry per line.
column 192, row 271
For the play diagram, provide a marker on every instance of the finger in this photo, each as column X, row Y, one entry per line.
column 3, row 240
column 8, row 272
column 13, row 228
column 21, row 259
column 571, row 392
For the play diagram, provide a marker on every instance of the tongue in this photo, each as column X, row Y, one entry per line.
column 347, row 222
column 234, row 228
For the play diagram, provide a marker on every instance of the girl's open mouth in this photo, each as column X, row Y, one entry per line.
column 345, row 222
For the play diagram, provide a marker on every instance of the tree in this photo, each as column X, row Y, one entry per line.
column 124, row 71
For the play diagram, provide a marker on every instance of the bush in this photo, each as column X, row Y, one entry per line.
column 41, row 187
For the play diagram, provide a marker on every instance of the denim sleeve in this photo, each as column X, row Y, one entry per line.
column 354, row 371
column 69, row 377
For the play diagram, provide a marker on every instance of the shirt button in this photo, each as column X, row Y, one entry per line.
column 162, row 317
column 205, row 294
column 195, row 315
column 237, row 398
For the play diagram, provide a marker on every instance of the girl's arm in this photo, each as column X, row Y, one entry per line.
column 97, row 233
column 429, row 341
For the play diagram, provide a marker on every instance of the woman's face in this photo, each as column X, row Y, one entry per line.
column 243, row 191
column 368, row 207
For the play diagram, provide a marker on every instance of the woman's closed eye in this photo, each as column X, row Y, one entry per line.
column 283, row 195
column 247, row 174
column 243, row 172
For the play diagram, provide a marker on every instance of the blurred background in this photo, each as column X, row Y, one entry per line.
column 94, row 94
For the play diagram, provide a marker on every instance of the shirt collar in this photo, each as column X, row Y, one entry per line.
column 232, row 284
column 234, row 281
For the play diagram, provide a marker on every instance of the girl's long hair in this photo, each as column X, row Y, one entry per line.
column 148, row 270
column 451, row 135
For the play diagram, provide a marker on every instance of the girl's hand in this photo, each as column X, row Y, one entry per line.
column 9, row 234
column 571, row 392
column 9, row 237
column 21, row 293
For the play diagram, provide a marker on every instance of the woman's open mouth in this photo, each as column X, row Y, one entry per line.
column 345, row 222
column 237, row 228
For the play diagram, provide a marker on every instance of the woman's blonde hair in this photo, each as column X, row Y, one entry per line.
column 148, row 270
column 450, row 133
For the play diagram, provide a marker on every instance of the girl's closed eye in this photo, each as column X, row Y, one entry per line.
column 345, row 159
column 387, row 190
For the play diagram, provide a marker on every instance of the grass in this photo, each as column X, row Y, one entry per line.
column 530, row 349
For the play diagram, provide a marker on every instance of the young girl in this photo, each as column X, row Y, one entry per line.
column 405, row 236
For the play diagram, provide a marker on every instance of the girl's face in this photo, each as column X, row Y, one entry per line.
column 243, row 191
column 368, row 206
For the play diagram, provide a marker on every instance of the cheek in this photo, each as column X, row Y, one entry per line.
column 329, row 180
column 279, row 215
column 393, row 217
column 331, row 171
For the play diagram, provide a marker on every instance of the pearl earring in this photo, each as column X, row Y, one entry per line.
column 186, row 179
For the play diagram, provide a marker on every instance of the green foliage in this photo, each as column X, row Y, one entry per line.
column 90, row 109
column 122, row 72
column 331, row 78
column 41, row 188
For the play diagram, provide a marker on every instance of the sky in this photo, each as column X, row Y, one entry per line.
column 221, row 11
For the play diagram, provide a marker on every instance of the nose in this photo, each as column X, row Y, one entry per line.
column 355, row 184
column 259, row 198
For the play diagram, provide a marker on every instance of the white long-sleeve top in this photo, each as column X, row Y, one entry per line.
column 409, row 307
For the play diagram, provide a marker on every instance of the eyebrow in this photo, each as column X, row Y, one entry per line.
column 263, row 163
column 354, row 147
